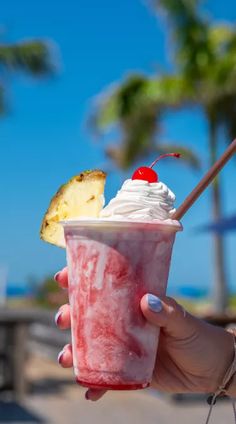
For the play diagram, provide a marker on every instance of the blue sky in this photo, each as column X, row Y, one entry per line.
column 44, row 140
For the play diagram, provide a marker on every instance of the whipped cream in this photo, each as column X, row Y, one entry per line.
column 141, row 200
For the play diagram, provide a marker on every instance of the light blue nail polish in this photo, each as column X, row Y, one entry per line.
column 154, row 303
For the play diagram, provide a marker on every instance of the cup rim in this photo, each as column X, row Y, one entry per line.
column 102, row 223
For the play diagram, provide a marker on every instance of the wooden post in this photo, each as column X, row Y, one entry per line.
column 18, row 360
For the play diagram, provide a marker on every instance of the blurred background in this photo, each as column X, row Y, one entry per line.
column 109, row 85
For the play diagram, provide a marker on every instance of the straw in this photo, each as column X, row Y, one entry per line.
column 205, row 181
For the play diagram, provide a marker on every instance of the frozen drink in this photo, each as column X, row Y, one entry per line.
column 111, row 265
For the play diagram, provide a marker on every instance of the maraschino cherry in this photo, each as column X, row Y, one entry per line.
column 148, row 174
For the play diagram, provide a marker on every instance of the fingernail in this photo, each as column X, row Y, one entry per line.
column 58, row 317
column 56, row 276
column 154, row 303
column 87, row 395
column 60, row 355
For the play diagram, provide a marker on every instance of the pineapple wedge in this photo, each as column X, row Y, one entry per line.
column 82, row 195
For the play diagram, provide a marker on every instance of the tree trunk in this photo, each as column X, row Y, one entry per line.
column 220, row 281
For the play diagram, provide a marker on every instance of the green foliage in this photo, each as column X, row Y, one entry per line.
column 121, row 102
column 205, row 75
column 47, row 286
column 232, row 301
column 137, row 106
column 189, row 35
column 219, row 36
column 49, row 295
column 32, row 57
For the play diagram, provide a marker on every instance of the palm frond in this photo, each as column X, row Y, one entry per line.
column 219, row 35
column 120, row 101
column 29, row 56
column 118, row 155
column 138, row 134
column 219, row 83
column 137, row 106
column 136, row 94
column 170, row 91
column 189, row 30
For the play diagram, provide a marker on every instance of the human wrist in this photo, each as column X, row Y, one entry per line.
column 228, row 384
column 231, row 386
column 226, row 379
column 217, row 353
column 221, row 355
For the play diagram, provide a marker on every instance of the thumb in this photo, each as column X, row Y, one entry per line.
column 165, row 312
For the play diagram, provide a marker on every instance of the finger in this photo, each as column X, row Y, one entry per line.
column 65, row 358
column 61, row 277
column 62, row 318
column 94, row 394
column 165, row 312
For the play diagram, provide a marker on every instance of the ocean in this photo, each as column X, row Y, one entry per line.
column 17, row 290
column 188, row 291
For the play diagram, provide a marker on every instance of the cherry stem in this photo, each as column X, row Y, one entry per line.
column 175, row 155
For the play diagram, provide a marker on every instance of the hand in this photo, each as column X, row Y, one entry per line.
column 192, row 356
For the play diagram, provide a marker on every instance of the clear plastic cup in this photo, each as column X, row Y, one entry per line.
column 111, row 265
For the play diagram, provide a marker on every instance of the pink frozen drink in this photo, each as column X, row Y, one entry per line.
column 111, row 266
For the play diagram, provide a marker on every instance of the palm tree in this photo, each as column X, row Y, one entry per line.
column 204, row 73
column 137, row 107
column 206, row 57
column 32, row 57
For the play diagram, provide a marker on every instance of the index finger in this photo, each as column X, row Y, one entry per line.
column 61, row 277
